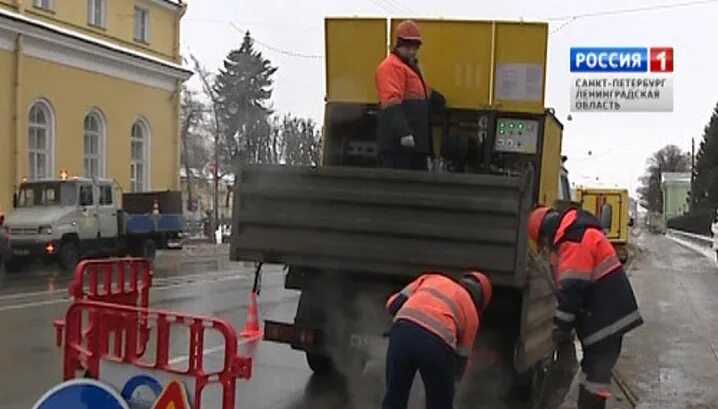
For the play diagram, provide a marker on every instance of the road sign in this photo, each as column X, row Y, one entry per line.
column 82, row 393
column 137, row 382
column 173, row 396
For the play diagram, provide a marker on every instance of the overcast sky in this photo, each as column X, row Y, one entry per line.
column 619, row 142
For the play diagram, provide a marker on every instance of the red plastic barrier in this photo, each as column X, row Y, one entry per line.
column 123, row 281
column 113, row 319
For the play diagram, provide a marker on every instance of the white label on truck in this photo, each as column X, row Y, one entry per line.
column 518, row 82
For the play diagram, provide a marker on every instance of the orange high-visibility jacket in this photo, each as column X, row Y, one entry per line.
column 595, row 293
column 441, row 306
column 405, row 106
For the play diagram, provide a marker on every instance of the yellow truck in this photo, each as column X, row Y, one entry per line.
column 610, row 206
column 351, row 234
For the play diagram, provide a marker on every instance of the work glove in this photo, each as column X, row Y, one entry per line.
column 407, row 141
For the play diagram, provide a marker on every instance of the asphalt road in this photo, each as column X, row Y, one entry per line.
column 670, row 362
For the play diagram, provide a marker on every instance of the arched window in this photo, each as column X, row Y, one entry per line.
column 40, row 141
column 94, row 145
column 139, row 156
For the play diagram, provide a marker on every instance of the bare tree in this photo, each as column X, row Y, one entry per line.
column 206, row 80
column 191, row 114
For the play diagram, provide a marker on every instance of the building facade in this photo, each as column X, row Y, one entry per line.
column 676, row 188
column 91, row 87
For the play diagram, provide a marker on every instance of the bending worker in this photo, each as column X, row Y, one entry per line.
column 404, row 132
column 595, row 296
column 435, row 323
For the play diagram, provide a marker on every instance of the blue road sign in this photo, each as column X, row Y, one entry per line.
column 81, row 394
column 136, row 382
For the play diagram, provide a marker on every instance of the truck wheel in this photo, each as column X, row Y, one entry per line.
column 149, row 250
column 68, row 256
column 320, row 364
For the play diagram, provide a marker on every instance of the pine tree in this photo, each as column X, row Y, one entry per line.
column 705, row 187
column 244, row 89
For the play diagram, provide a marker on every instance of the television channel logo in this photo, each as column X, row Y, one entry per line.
column 621, row 79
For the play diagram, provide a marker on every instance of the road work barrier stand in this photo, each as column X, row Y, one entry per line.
column 124, row 281
column 104, row 330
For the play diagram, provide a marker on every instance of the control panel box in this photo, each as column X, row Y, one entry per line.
column 517, row 135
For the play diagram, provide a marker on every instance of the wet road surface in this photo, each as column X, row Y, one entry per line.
column 671, row 362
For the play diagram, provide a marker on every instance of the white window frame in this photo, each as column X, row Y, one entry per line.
column 144, row 184
column 49, row 151
column 44, row 4
column 145, row 35
column 92, row 13
column 101, row 134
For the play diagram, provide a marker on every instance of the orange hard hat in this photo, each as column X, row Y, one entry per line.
column 484, row 284
column 408, row 30
column 535, row 220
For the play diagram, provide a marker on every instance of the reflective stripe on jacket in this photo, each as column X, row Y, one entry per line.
column 595, row 293
column 404, row 101
column 441, row 306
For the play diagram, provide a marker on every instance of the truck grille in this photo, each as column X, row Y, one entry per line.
column 23, row 231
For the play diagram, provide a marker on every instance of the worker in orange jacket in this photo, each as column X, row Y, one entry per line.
column 436, row 319
column 595, row 296
column 404, row 132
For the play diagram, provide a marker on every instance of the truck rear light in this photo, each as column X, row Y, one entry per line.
column 50, row 248
column 278, row 332
column 306, row 337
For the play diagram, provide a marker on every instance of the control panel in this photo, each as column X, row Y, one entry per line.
column 516, row 135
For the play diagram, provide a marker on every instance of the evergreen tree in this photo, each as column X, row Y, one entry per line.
column 244, row 89
column 705, row 187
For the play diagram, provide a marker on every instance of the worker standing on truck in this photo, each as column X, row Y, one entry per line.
column 595, row 296
column 435, row 323
column 404, row 131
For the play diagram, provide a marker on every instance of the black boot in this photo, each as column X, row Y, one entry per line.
column 587, row 400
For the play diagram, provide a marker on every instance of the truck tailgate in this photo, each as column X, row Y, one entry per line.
column 382, row 221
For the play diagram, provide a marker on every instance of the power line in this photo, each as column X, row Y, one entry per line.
column 633, row 10
column 277, row 49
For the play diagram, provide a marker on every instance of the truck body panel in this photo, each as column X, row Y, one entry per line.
column 384, row 222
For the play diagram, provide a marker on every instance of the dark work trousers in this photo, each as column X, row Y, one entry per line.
column 597, row 365
column 411, row 349
column 404, row 160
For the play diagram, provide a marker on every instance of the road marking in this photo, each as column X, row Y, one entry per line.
column 160, row 280
column 205, row 351
column 166, row 287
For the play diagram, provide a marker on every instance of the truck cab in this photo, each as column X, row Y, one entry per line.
column 60, row 220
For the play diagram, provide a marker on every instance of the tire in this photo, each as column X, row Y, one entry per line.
column 68, row 256
column 320, row 364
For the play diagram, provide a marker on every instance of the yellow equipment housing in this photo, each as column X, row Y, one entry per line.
column 610, row 206
column 497, row 74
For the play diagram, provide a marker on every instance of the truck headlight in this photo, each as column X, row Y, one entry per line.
column 45, row 230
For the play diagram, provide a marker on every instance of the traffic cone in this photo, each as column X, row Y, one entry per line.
column 251, row 328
